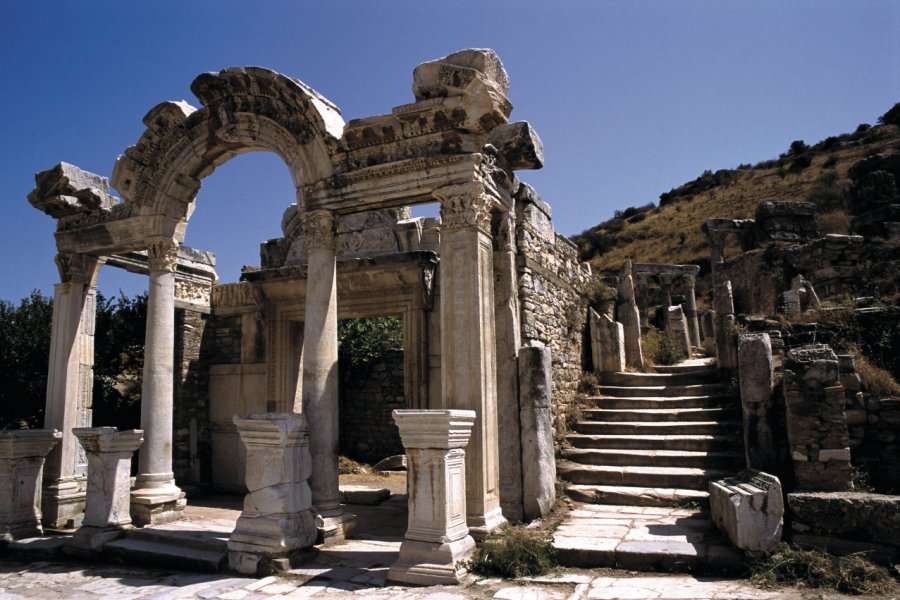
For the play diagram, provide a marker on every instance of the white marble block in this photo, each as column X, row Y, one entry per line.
column 278, row 517
column 749, row 508
column 22, row 455
column 437, row 537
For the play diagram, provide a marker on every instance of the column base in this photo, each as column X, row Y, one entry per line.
column 481, row 526
column 88, row 541
column 333, row 527
column 257, row 541
column 157, row 505
column 431, row 563
column 62, row 503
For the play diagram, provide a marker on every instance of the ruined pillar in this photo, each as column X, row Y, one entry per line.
column 816, row 424
column 630, row 317
column 726, row 349
column 278, row 517
column 536, row 406
column 22, row 454
column 642, row 298
column 437, row 538
column 690, row 310
column 607, row 343
column 468, row 361
column 70, row 379
column 508, row 339
column 677, row 327
column 320, row 374
column 756, row 374
column 156, row 498
column 107, row 511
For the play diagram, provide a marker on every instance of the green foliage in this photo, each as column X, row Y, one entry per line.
column 891, row 117
column 797, row 148
column 24, row 348
column 365, row 340
column 660, row 348
column 853, row 574
column 599, row 294
column 515, row 551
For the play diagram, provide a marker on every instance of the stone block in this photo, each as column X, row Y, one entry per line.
column 535, row 412
column 677, row 325
column 360, row 494
column 850, row 515
column 756, row 376
column 749, row 508
column 607, row 343
column 22, row 455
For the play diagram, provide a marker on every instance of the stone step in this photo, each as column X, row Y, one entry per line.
column 698, row 442
column 664, row 402
column 637, row 496
column 658, row 415
column 167, row 554
column 638, row 476
column 694, row 377
column 668, row 391
column 655, row 428
column 660, row 458
column 705, row 364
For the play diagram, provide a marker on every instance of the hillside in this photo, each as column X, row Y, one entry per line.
column 669, row 232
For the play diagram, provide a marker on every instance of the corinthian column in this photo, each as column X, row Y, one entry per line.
column 70, row 378
column 156, row 498
column 468, row 362
column 320, row 376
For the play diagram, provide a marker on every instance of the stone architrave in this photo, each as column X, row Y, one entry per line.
column 278, row 517
column 22, row 454
column 816, row 423
column 630, row 318
column 678, row 328
column 437, row 539
column 756, row 375
column 107, row 512
column 749, row 507
column 538, row 458
column 468, row 360
column 155, row 498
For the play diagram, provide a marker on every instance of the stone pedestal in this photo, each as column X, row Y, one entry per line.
column 607, row 343
column 677, row 326
column 756, row 374
column 107, row 510
column 22, row 454
column 278, row 517
column 437, row 537
column 156, row 499
column 749, row 507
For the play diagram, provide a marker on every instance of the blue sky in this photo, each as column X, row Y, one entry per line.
column 630, row 98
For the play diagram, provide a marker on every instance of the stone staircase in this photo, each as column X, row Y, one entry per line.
column 654, row 439
column 640, row 461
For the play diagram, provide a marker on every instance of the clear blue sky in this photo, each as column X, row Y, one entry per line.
column 631, row 98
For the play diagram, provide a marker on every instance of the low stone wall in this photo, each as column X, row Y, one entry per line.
column 368, row 395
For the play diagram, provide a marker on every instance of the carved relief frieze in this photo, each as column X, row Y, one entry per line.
column 233, row 294
column 162, row 255
column 318, row 227
column 467, row 205
column 193, row 291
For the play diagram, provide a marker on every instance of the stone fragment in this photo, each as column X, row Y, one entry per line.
column 391, row 463
column 437, row 539
column 22, row 455
column 67, row 190
column 535, row 411
column 749, row 508
column 678, row 328
column 360, row 494
column 629, row 316
column 756, row 375
column 519, row 144
column 607, row 343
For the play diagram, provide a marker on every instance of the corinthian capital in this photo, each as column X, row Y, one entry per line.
column 77, row 268
column 467, row 205
column 318, row 225
column 162, row 255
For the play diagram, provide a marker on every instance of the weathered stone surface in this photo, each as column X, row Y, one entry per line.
column 607, row 343
column 535, row 406
column 851, row 515
column 391, row 463
column 708, row 327
column 678, row 328
column 22, row 454
column 749, row 507
column 786, row 221
column 437, row 539
column 66, row 190
column 756, row 373
column 519, row 144
column 630, row 318
column 360, row 494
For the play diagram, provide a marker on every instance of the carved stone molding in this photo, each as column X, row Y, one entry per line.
column 318, row 225
column 77, row 268
column 505, row 233
column 467, row 205
column 162, row 255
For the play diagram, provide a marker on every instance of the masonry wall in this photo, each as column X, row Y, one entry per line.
column 192, row 441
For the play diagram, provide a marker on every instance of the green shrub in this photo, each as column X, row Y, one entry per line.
column 599, row 294
column 515, row 551
column 660, row 348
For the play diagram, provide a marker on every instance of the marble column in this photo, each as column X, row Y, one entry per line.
column 22, row 453
column 156, row 499
column 437, row 538
column 107, row 511
column 320, row 375
column 468, row 362
column 70, row 379
column 690, row 310
column 508, row 340
column 278, row 517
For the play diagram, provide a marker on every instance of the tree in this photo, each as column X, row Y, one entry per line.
column 24, row 350
column 891, row 117
column 798, row 147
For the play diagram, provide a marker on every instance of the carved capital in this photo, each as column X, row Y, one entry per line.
column 77, row 268
column 318, row 226
column 467, row 205
column 162, row 255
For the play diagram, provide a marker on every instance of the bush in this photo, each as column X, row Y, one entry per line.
column 599, row 294
column 891, row 117
column 515, row 551
column 363, row 340
column 797, row 148
column 24, row 348
column 660, row 348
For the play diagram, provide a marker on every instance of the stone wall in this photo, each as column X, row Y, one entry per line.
column 368, row 394
column 551, row 295
column 192, row 442
column 224, row 346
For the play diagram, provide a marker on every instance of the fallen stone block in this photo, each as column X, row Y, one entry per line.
column 360, row 494
column 749, row 507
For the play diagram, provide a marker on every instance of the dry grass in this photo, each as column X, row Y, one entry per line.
column 835, row 221
column 875, row 380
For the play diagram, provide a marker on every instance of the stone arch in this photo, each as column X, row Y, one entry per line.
column 243, row 110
